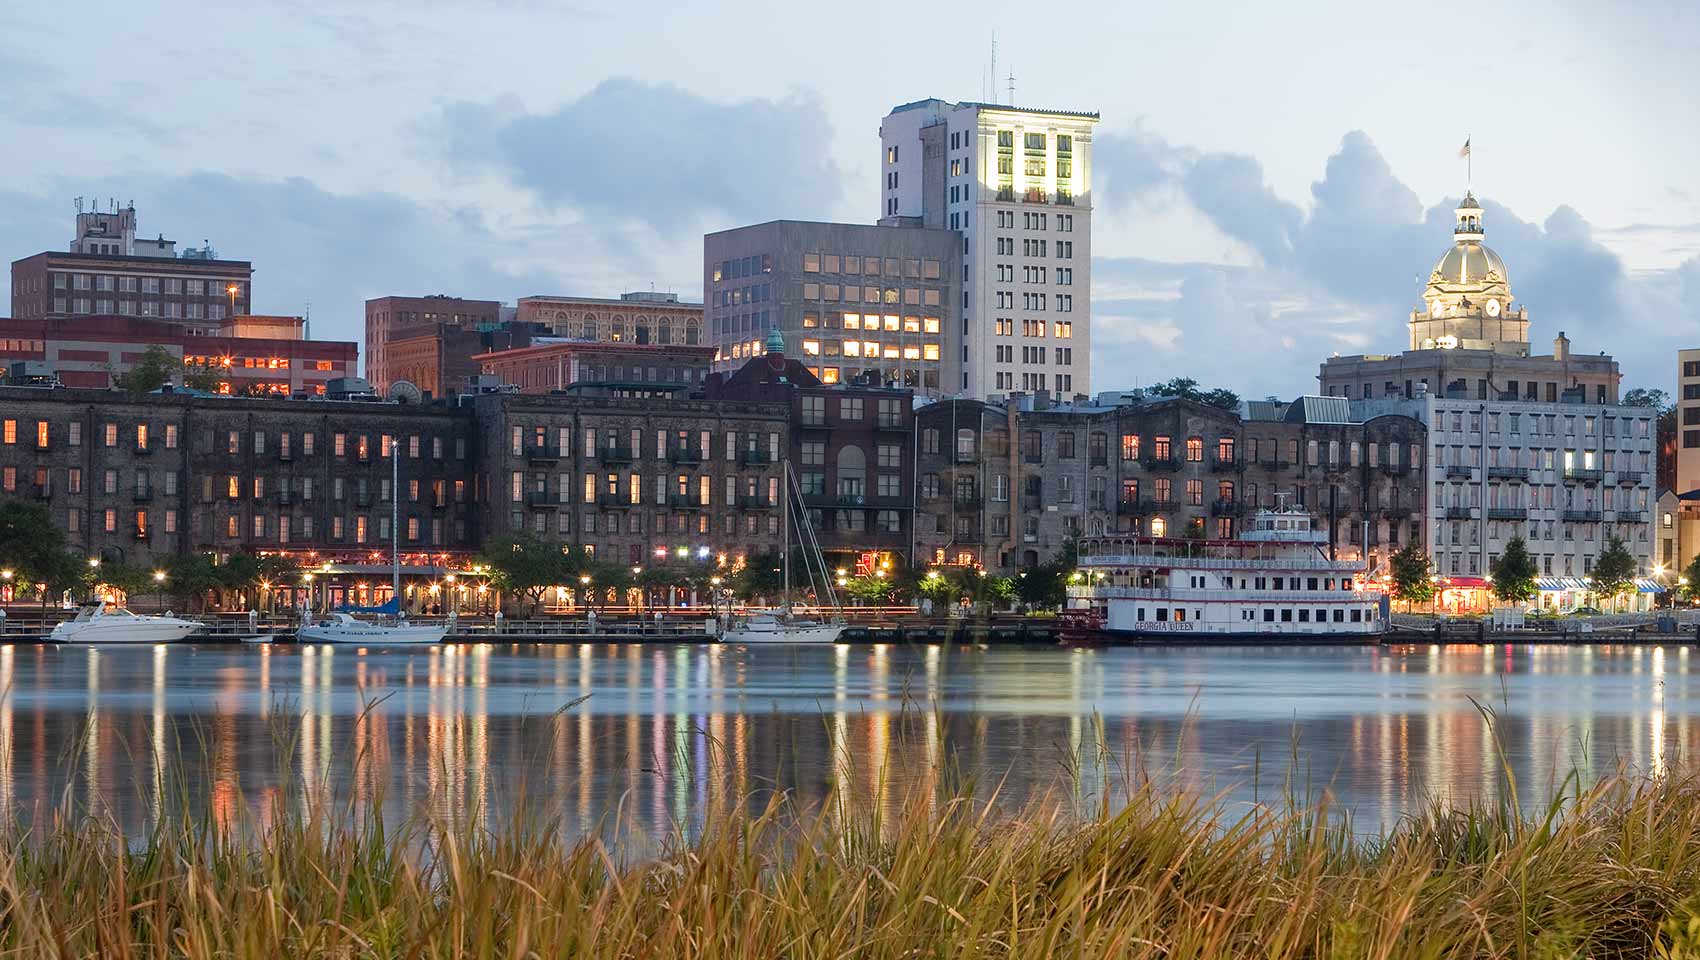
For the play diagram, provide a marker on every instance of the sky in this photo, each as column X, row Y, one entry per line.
column 1272, row 182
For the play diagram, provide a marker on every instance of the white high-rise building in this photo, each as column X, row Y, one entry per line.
column 1016, row 184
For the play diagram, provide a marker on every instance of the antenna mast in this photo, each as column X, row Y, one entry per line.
column 1012, row 88
column 992, row 95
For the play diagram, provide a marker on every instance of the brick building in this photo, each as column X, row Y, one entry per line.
column 441, row 359
column 640, row 318
column 249, row 354
column 197, row 294
column 851, row 447
column 178, row 473
column 1008, row 486
column 621, row 367
column 626, row 480
column 387, row 315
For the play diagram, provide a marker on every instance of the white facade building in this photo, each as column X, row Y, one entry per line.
column 1016, row 184
column 1536, row 446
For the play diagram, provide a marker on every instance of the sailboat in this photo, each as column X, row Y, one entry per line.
column 345, row 628
column 780, row 625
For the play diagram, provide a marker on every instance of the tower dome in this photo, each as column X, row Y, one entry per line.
column 1467, row 301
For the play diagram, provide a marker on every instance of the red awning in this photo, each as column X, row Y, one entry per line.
column 1463, row 583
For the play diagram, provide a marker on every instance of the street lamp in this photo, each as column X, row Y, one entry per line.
column 159, row 587
column 232, row 291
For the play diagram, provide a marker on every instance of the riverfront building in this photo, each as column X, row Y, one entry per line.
column 1016, row 184
column 1686, row 517
column 1537, row 446
column 411, row 318
column 1008, row 485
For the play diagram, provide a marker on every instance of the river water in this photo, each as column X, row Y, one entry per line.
column 658, row 733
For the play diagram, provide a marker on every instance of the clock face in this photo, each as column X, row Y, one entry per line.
column 1434, row 309
column 1493, row 308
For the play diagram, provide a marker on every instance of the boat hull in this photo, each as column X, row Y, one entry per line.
column 150, row 631
column 817, row 633
column 367, row 635
column 1176, row 638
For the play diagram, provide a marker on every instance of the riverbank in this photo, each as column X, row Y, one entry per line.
column 1612, row 871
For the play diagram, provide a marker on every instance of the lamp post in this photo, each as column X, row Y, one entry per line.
column 6, row 576
column 159, row 588
column 232, row 290
column 584, row 590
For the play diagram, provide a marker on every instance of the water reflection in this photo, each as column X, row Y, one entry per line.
column 662, row 734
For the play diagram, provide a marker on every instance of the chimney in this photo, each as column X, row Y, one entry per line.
column 1561, row 347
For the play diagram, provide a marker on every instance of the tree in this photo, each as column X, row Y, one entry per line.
column 872, row 589
column 1642, row 397
column 1044, row 585
column 130, row 579
column 1412, row 575
column 157, row 366
column 1187, row 389
column 30, row 544
column 524, row 565
column 937, row 587
column 760, row 576
column 1514, row 573
column 1691, row 590
column 1614, row 571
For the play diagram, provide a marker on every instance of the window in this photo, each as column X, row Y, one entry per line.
column 1194, row 449
column 1130, row 446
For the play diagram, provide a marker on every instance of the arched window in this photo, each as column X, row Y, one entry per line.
column 642, row 333
column 852, row 471
column 590, row 326
column 965, row 445
column 663, row 333
column 693, row 334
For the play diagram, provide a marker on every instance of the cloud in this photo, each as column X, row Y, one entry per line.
column 659, row 154
column 1342, row 275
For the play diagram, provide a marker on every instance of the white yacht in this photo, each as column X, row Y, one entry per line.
column 342, row 628
column 1276, row 580
column 98, row 623
column 393, row 630
column 780, row 625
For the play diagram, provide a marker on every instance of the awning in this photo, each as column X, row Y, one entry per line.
column 1463, row 583
column 1647, row 585
column 1551, row 584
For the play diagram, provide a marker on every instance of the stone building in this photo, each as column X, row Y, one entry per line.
column 852, row 450
column 388, row 317
column 643, row 317
column 626, row 479
column 177, row 473
column 1040, row 474
column 626, row 368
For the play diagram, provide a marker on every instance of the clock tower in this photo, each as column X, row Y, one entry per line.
column 1467, row 303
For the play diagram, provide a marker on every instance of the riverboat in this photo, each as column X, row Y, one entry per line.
column 1275, row 581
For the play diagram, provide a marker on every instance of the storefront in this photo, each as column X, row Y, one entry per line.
column 1462, row 595
column 1567, row 594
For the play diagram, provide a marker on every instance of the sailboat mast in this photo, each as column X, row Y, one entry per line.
column 395, row 521
column 785, row 528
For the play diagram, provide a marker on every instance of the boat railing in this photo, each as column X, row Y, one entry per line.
column 1102, row 592
column 1218, row 563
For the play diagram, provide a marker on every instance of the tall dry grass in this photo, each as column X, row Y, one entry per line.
column 1608, row 871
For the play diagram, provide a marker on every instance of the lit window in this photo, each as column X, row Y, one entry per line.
column 931, row 324
column 891, row 323
column 811, row 348
column 829, row 375
column 852, row 321
column 930, row 351
column 852, row 348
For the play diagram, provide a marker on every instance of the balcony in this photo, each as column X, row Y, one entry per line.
column 1395, row 469
column 966, row 538
column 363, row 499
column 1583, row 474
column 1271, row 463
column 1582, row 516
column 1227, row 508
column 1135, row 508
column 1032, row 458
column 1630, row 478
column 684, row 501
column 285, row 455
column 139, row 533
column 1508, row 513
column 1508, row 473
column 1031, row 502
column 1630, row 516
column 615, row 501
column 615, row 454
column 1064, row 198
column 285, row 498
column 1098, row 460
column 812, row 421
column 685, row 455
column 40, row 491
column 543, row 453
column 969, row 501
column 1162, row 463
column 538, row 498
column 754, row 458
column 1460, row 471
column 1459, row 513
column 753, row 501
column 1398, row 513
column 1220, row 465
column 143, row 496
column 142, row 450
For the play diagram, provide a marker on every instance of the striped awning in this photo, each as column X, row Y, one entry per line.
column 1647, row 585
column 1560, row 583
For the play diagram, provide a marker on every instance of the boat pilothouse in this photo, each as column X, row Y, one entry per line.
column 1275, row 580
